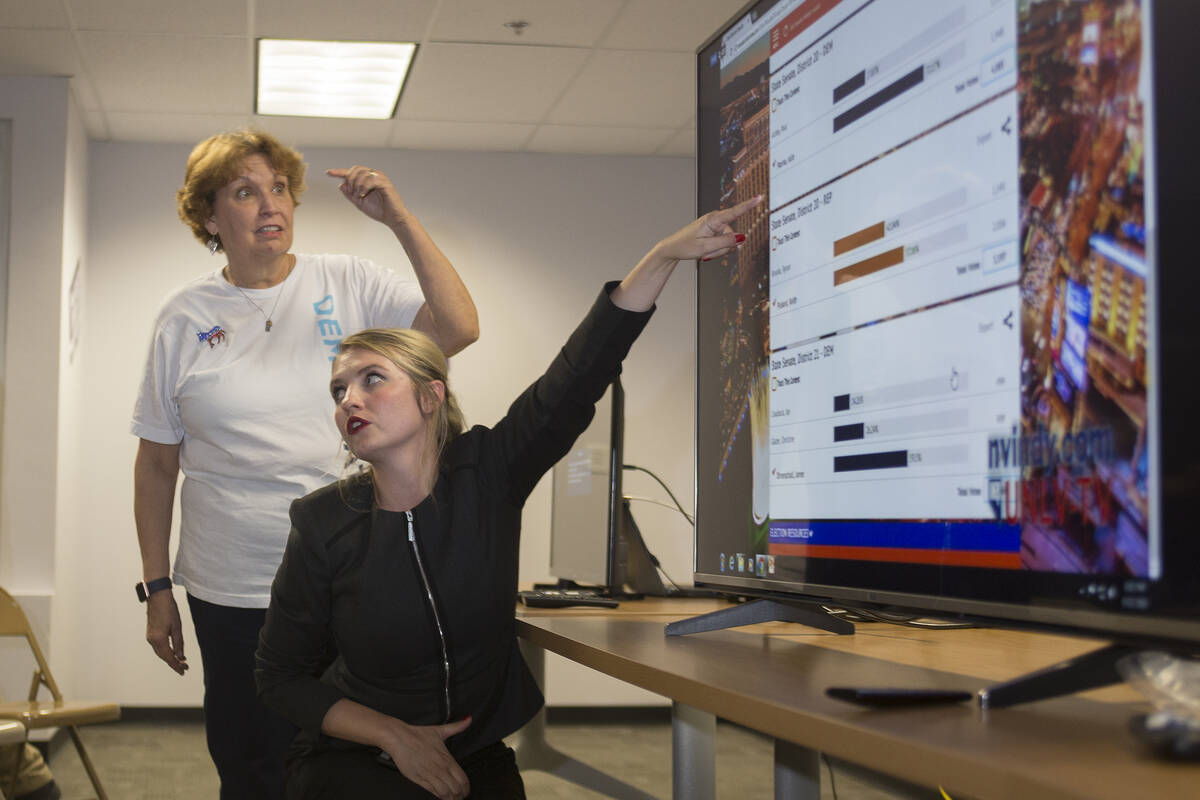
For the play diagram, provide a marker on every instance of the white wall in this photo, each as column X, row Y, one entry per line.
column 533, row 237
column 46, row 228
column 5, row 194
column 38, row 108
column 75, row 463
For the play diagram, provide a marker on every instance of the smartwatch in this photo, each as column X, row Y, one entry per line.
column 144, row 590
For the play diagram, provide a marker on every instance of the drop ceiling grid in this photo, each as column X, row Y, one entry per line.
column 588, row 76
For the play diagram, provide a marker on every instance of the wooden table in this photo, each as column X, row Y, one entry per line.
column 534, row 752
column 772, row 678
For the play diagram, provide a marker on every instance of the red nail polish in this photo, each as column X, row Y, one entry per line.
column 739, row 238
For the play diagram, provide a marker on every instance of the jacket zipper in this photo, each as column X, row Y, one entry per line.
column 437, row 620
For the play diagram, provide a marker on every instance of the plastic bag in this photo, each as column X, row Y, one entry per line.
column 1170, row 683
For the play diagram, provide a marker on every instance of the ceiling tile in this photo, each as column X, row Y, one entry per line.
column 27, row 14
column 484, row 136
column 161, row 16
column 487, row 83
column 634, row 88
column 179, row 70
column 182, row 128
column 184, row 74
column 597, row 140
column 38, row 53
column 669, row 24
column 367, row 20
column 325, row 132
column 577, row 23
column 682, row 143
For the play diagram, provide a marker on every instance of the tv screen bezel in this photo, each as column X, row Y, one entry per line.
column 1174, row 618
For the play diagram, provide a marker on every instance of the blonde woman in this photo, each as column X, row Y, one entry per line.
column 407, row 576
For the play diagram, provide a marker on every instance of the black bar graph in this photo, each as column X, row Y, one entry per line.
column 848, row 433
column 889, row 92
column 841, row 402
column 863, row 461
column 853, row 85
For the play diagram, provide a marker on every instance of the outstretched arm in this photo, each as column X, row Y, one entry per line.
column 449, row 315
column 710, row 236
column 546, row 418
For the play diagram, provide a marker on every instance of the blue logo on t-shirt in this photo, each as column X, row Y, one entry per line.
column 328, row 327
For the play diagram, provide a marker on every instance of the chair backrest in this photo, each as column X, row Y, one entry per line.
column 13, row 622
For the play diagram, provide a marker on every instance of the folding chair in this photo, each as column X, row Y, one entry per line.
column 57, row 713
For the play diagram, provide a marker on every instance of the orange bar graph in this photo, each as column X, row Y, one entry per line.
column 868, row 266
column 857, row 239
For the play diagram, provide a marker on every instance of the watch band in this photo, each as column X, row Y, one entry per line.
column 144, row 590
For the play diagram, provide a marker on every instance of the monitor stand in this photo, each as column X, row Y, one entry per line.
column 633, row 564
column 756, row 611
column 1089, row 671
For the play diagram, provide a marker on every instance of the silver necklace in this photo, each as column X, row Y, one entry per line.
column 269, row 324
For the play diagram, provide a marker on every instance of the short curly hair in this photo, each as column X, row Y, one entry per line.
column 217, row 160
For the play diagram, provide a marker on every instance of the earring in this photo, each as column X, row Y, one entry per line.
column 213, row 244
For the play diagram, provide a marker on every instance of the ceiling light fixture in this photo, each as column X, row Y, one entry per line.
column 355, row 80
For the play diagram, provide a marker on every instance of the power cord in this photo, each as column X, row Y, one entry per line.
column 832, row 782
column 678, row 506
column 650, row 500
column 670, row 580
column 653, row 558
column 667, row 489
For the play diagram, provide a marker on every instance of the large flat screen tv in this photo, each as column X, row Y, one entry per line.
column 950, row 369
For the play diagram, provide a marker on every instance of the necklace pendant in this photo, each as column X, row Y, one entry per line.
column 267, row 327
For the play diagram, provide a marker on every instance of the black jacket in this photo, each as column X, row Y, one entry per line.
column 349, row 588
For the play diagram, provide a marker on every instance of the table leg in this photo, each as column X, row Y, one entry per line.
column 535, row 753
column 797, row 772
column 693, row 753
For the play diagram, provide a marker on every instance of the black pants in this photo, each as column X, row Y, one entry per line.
column 358, row 774
column 247, row 742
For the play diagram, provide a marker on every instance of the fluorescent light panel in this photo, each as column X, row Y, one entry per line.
column 357, row 80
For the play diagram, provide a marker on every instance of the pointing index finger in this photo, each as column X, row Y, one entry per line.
column 730, row 214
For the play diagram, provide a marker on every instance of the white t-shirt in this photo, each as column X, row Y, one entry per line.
column 251, row 409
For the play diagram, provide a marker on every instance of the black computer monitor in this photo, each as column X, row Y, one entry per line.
column 594, row 540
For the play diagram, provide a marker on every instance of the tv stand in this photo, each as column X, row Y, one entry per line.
column 1088, row 671
column 633, row 564
column 761, row 611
